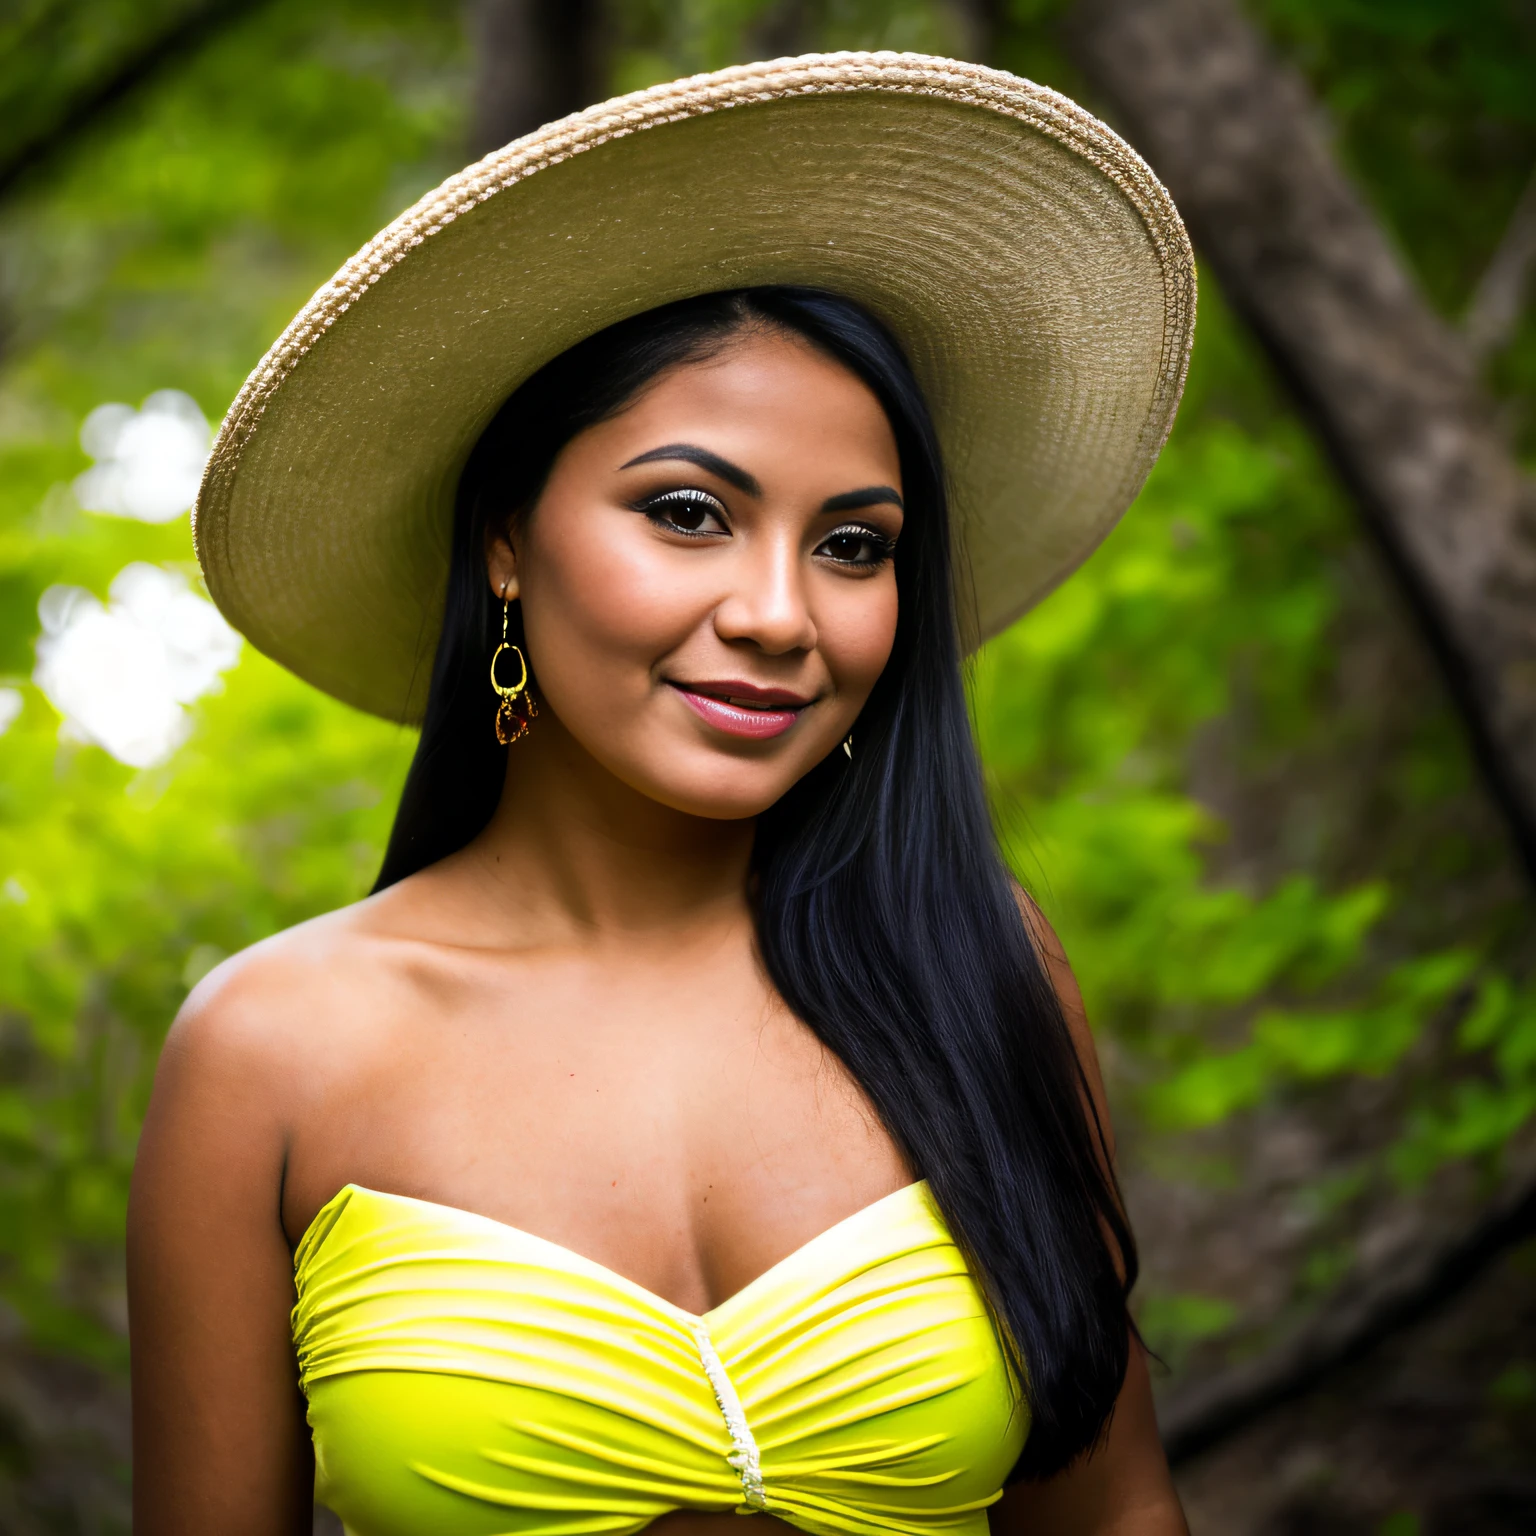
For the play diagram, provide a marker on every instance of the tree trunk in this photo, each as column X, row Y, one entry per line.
column 535, row 61
column 979, row 23
column 1391, row 389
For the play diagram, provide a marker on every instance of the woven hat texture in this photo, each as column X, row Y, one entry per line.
column 1029, row 261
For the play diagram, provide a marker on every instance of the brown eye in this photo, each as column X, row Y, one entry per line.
column 856, row 546
column 686, row 510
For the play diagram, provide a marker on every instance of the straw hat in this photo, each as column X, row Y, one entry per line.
column 1029, row 261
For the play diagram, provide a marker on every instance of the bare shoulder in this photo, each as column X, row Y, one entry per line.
column 277, row 1000
column 255, row 1053
column 1059, row 969
column 281, row 1029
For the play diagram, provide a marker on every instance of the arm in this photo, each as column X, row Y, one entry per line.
column 219, row 1438
column 1121, row 1488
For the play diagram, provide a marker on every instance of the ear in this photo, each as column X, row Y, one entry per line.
column 501, row 565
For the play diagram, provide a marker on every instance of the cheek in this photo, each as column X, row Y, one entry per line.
column 856, row 633
column 594, row 596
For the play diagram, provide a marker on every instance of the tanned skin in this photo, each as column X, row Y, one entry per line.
column 565, row 1026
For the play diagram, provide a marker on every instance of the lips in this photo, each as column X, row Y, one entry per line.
column 743, row 709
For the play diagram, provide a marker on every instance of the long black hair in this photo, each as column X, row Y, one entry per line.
column 885, row 915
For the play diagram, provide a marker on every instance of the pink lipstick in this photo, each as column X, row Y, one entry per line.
column 743, row 709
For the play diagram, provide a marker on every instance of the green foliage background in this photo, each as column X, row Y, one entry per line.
column 1272, row 865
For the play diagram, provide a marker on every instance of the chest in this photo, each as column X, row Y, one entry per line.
column 670, row 1120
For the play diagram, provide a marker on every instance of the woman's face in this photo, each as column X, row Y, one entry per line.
column 706, row 580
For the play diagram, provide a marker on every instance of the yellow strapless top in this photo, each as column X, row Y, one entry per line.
column 467, row 1378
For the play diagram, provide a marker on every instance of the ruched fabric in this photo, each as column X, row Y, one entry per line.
column 467, row 1378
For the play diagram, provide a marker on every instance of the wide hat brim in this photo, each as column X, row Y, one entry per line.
column 1031, row 264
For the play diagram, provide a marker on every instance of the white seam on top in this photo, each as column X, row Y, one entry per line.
column 743, row 1455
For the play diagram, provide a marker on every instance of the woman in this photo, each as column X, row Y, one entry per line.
column 696, row 1120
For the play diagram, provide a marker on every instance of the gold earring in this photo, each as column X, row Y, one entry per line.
column 848, row 745
column 516, row 708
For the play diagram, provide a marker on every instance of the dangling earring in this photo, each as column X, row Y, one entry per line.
column 848, row 746
column 516, row 708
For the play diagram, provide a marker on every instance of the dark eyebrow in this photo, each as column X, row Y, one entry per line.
column 870, row 496
column 711, row 463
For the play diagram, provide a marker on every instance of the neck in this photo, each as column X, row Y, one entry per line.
column 575, row 854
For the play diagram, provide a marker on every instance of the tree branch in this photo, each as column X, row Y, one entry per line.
column 138, row 68
column 1390, row 388
column 1401, row 1291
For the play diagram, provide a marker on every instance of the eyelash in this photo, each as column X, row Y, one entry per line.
column 879, row 543
column 654, row 507
column 683, row 496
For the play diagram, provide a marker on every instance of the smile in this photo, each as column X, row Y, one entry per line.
column 739, row 709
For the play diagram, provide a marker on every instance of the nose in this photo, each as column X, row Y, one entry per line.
column 767, row 606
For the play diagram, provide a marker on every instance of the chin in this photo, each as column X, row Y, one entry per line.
column 728, row 789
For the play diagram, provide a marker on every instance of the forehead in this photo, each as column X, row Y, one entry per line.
column 764, row 391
